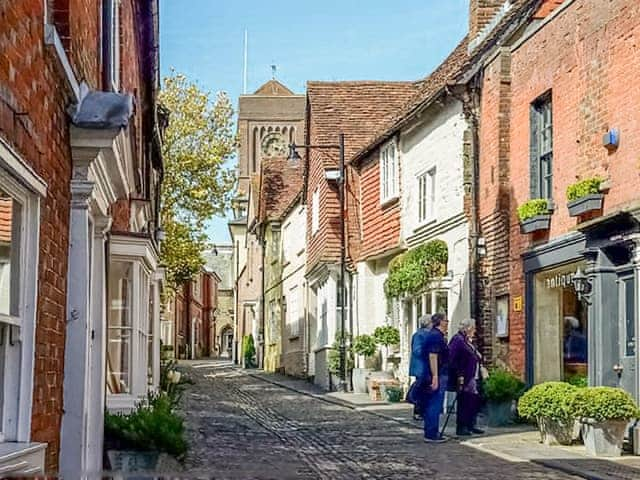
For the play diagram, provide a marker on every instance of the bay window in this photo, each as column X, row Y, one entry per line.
column 133, row 321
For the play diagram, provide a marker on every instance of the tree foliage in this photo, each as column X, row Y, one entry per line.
column 198, row 142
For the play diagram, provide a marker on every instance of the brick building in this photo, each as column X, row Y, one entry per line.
column 356, row 109
column 220, row 261
column 193, row 308
column 79, row 165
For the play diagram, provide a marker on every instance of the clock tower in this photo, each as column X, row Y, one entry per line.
column 268, row 121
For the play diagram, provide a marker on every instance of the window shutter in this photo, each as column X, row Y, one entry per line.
column 534, row 133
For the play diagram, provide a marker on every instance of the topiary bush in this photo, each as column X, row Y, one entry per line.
column 502, row 386
column 387, row 335
column 364, row 345
column 604, row 403
column 533, row 208
column 551, row 400
column 411, row 272
column 578, row 380
column 583, row 188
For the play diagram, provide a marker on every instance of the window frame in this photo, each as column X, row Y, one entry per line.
column 21, row 184
column 427, row 195
column 389, row 173
column 315, row 211
column 541, row 151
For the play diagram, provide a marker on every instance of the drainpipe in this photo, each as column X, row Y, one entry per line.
column 262, row 303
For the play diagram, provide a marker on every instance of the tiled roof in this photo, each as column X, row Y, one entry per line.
column 281, row 184
column 5, row 220
column 353, row 108
column 273, row 88
column 424, row 91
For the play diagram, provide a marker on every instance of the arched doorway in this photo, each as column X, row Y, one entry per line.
column 226, row 342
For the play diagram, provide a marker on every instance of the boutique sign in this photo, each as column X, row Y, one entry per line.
column 560, row 280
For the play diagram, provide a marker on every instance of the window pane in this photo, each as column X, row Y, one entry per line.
column 442, row 303
column 630, row 317
column 120, row 323
column 152, row 314
column 10, row 212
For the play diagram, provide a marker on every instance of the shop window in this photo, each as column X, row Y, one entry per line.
column 541, row 134
column 560, row 327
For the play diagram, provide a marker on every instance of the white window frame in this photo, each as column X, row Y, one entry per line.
column 427, row 195
column 22, row 184
column 389, row 172
column 293, row 312
column 315, row 211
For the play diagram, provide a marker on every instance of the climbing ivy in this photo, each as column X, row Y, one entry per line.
column 411, row 272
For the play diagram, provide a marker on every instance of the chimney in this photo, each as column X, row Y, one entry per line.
column 481, row 12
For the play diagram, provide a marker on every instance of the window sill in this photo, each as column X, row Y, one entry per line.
column 388, row 202
column 122, row 403
column 21, row 458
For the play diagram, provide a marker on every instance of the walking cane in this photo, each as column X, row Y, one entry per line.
column 453, row 404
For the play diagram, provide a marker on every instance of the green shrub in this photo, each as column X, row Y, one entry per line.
column 502, row 386
column 387, row 335
column 364, row 345
column 583, row 188
column 578, row 380
column 552, row 400
column 412, row 271
column 532, row 208
column 248, row 351
column 605, row 403
column 334, row 355
column 394, row 394
column 151, row 426
column 172, row 381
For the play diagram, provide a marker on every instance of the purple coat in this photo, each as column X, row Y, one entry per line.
column 464, row 361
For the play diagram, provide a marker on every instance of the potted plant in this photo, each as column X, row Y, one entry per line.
column 366, row 346
column 394, row 394
column 551, row 405
column 248, row 351
column 501, row 389
column 604, row 413
column 334, row 358
column 534, row 215
column 584, row 196
column 386, row 336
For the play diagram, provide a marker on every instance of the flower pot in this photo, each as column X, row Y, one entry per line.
column 359, row 377
column 132, row 460
column 500, row 414
column 556, row 432
column 535, row 224
column 394, row 395
column 603, row 439
column 585, row 204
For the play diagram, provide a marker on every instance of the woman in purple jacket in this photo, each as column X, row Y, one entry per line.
column 464, row 375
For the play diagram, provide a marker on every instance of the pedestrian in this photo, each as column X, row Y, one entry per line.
column 437, row 355
column 418, row 367
column 465, row 363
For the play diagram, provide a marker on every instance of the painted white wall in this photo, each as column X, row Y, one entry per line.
column 295, row 255
column 436, row 142
column 371, row 299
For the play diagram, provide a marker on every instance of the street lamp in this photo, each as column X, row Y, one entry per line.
column 582, row 286
column 337, row 175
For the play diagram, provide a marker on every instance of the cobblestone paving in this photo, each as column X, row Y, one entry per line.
column 242, row 427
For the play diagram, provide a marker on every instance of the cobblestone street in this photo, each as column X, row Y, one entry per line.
column 243, row 427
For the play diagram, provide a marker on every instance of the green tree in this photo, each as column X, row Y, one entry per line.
column 198, row 142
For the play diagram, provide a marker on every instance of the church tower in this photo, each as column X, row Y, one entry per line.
column 268, row 121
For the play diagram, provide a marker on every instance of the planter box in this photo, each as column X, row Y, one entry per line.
column 359, row 377
column 604, row 439
column 500, row 414
column 586, row 204
column 535, row 224
column 132, row 460
column 553, row 432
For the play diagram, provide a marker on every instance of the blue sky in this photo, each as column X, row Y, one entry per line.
column 307, row 40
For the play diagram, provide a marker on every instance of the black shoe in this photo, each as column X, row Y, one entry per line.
column 477, row 431
column 462, row 432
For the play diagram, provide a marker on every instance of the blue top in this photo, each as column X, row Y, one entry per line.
column 423, row 343
column 419, row 362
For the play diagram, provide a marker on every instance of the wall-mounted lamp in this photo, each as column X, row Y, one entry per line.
column 582, row 286
column 332, row 174
column 611, row 139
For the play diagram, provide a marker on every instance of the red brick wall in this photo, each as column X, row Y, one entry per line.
column 481, row 12
column 380, row 224
column 587, row 56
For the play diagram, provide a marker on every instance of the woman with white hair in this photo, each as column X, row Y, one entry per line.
column 464, row 374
